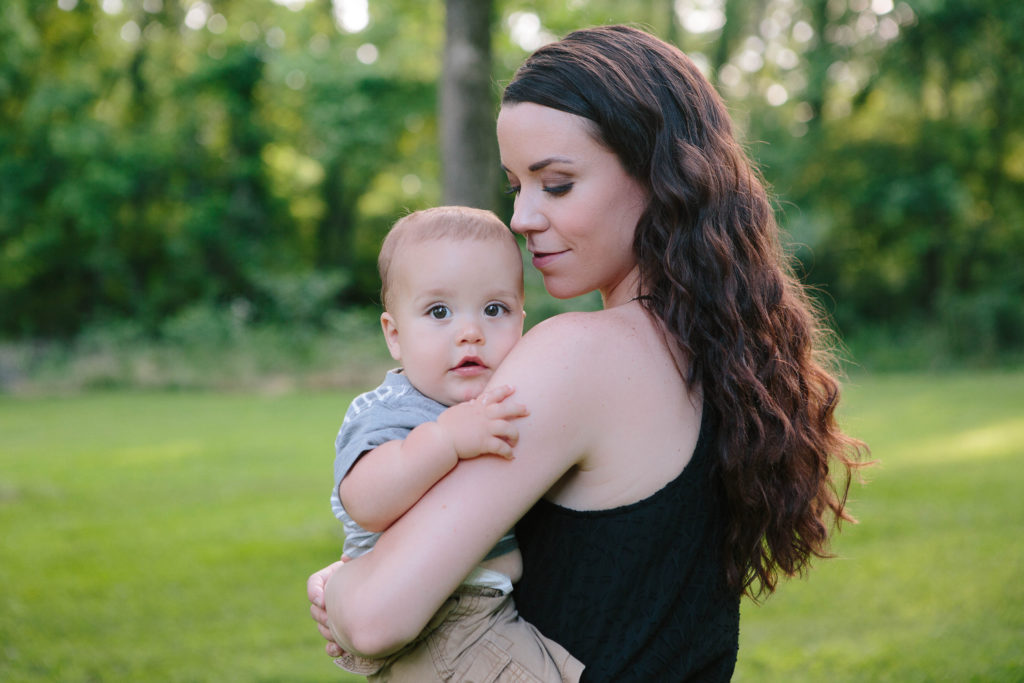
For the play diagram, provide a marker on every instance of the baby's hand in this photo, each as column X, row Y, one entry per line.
column 484, row 425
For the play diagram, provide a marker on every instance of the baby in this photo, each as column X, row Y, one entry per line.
column 452, row 287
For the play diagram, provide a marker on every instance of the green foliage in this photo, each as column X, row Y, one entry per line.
column 908, row 188
column 206, row 347
column 135, row 178
column 984, row 324
column 173, row 155
column 151, row 536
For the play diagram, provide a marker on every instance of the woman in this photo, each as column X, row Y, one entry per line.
column 678, row 449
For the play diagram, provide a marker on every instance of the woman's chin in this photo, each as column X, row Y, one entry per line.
column 563, row 290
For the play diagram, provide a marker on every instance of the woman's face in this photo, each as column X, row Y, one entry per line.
column 575, row 204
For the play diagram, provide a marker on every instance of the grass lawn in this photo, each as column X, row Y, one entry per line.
column 928, row 587
column 168, row 537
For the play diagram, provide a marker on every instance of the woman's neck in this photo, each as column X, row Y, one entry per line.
column 625, row 291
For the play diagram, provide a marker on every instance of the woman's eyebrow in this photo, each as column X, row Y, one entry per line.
column 538, row 165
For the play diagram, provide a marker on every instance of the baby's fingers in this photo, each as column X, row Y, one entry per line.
column 507, row 410
column 505, row 431
column 498, row 446
column 326, row 633
column 496, row 395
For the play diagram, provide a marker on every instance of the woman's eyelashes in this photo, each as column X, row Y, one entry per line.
column 559, row 190
column 556, row 190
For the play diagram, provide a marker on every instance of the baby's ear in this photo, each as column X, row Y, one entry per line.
column 390, row 327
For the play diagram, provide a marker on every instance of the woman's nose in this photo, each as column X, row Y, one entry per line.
column 526, row 217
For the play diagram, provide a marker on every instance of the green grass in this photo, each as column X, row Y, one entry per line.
column 927, row 587
column 167, row 536
column 164, row 536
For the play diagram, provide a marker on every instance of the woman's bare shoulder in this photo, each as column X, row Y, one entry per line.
column 566, row 322
column 595, row 336
column 575, row 355
column 570, row 333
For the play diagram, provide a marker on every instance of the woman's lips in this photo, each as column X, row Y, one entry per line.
column 542, row 259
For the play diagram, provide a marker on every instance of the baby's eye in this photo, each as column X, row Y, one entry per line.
column 439, row 312
column 493, row 310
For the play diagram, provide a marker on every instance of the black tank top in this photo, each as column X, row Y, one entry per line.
column 637, row 593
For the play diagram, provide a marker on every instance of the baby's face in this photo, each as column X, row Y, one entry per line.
column 457, row 310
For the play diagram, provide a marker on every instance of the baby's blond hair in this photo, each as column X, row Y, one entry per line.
column 440, row 222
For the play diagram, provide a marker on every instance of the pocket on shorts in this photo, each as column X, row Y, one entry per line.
column 491, row 662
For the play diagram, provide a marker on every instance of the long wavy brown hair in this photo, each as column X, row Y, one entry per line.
column 713, row 270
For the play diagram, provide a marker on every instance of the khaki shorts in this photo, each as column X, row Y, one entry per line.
column 476, row 637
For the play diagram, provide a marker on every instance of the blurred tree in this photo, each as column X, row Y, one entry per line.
column 156, row 154
column 914, row 173
column 127, row 193
column 468, row 147
column 59, row 172
column 233, row 229
column 364, row 95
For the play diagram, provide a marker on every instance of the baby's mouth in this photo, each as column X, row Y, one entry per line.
column 470, row 364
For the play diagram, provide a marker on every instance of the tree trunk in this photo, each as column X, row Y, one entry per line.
column 468, row 146
column 334, row 230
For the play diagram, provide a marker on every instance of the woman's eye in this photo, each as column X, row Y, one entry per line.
column 512, row 189
column 438, row 312
column 494, row 310
column 559, row 190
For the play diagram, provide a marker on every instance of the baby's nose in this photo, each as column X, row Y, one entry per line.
column 471, row 332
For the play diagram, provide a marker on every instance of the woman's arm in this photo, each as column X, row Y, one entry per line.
column 383, row 599
column 388, row 480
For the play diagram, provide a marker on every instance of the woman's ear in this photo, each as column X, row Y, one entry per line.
column 390, row 327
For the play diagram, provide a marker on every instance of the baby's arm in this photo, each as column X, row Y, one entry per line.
column 388, row 480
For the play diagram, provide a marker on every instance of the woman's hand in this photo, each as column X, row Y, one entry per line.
column 315, row 591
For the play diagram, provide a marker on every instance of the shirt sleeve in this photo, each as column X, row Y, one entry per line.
column 370, row 428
